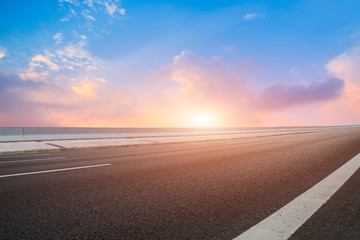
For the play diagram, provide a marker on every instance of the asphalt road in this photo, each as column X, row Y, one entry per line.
column 199, row 190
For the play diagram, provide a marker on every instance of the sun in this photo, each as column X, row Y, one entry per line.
column 204, row 119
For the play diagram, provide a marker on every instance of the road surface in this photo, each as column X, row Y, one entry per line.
column 199, row 190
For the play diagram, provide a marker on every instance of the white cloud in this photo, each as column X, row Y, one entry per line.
column 56, row 62
column 111, row 8
column 65, row 19
column 87, row 16
column 58, row 37
column 38, row 60
column 346, row 65
column 89, row 3
column 69, row 1
column 74, row 56
column 90, row 8
column 92, row 15
column 68, row 17
column 78, row 36
column 252, row 16
column 122, row 11
column 3, row 52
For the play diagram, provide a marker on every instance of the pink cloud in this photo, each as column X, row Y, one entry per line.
column 92, row 103
column 175, row 95
column 213, row 85
column 201, row 85
column 346, row 66
column 15, row 109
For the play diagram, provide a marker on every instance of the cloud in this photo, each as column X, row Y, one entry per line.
column 346, row 66
column 172, row 96
column 38, row 60
column 87, row 15
column 3, row 52
column 69, row 16
column 91, row 8
column 69, row 1
column 283, row 96
column 252, row 16
column 58, row 37
column 59, row 60
column 85, row 88
column 79, row 36
column 83, row 102
column 122, row 11
column 197, row 85
column 89, row 3
column 65, row 19
column 91, row 15
column 212, row 86
column 111, row 8
column 15, row 108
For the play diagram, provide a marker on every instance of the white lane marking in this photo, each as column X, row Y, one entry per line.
column 32, row 160
column 283, row 223
column 32, row 155
column 54, row 170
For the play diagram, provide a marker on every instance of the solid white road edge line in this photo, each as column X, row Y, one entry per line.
column 32, row 160
column 54, row 170
column 283, row 223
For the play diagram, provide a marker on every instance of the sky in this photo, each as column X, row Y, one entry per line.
column 136, row 63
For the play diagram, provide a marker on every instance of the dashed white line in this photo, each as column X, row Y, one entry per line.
column 283, row 223
column 54, row 170
column 32, row 160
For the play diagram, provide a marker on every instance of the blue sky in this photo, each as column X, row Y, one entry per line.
column 73, row 42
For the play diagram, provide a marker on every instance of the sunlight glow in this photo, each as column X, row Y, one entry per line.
column 204, row 120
